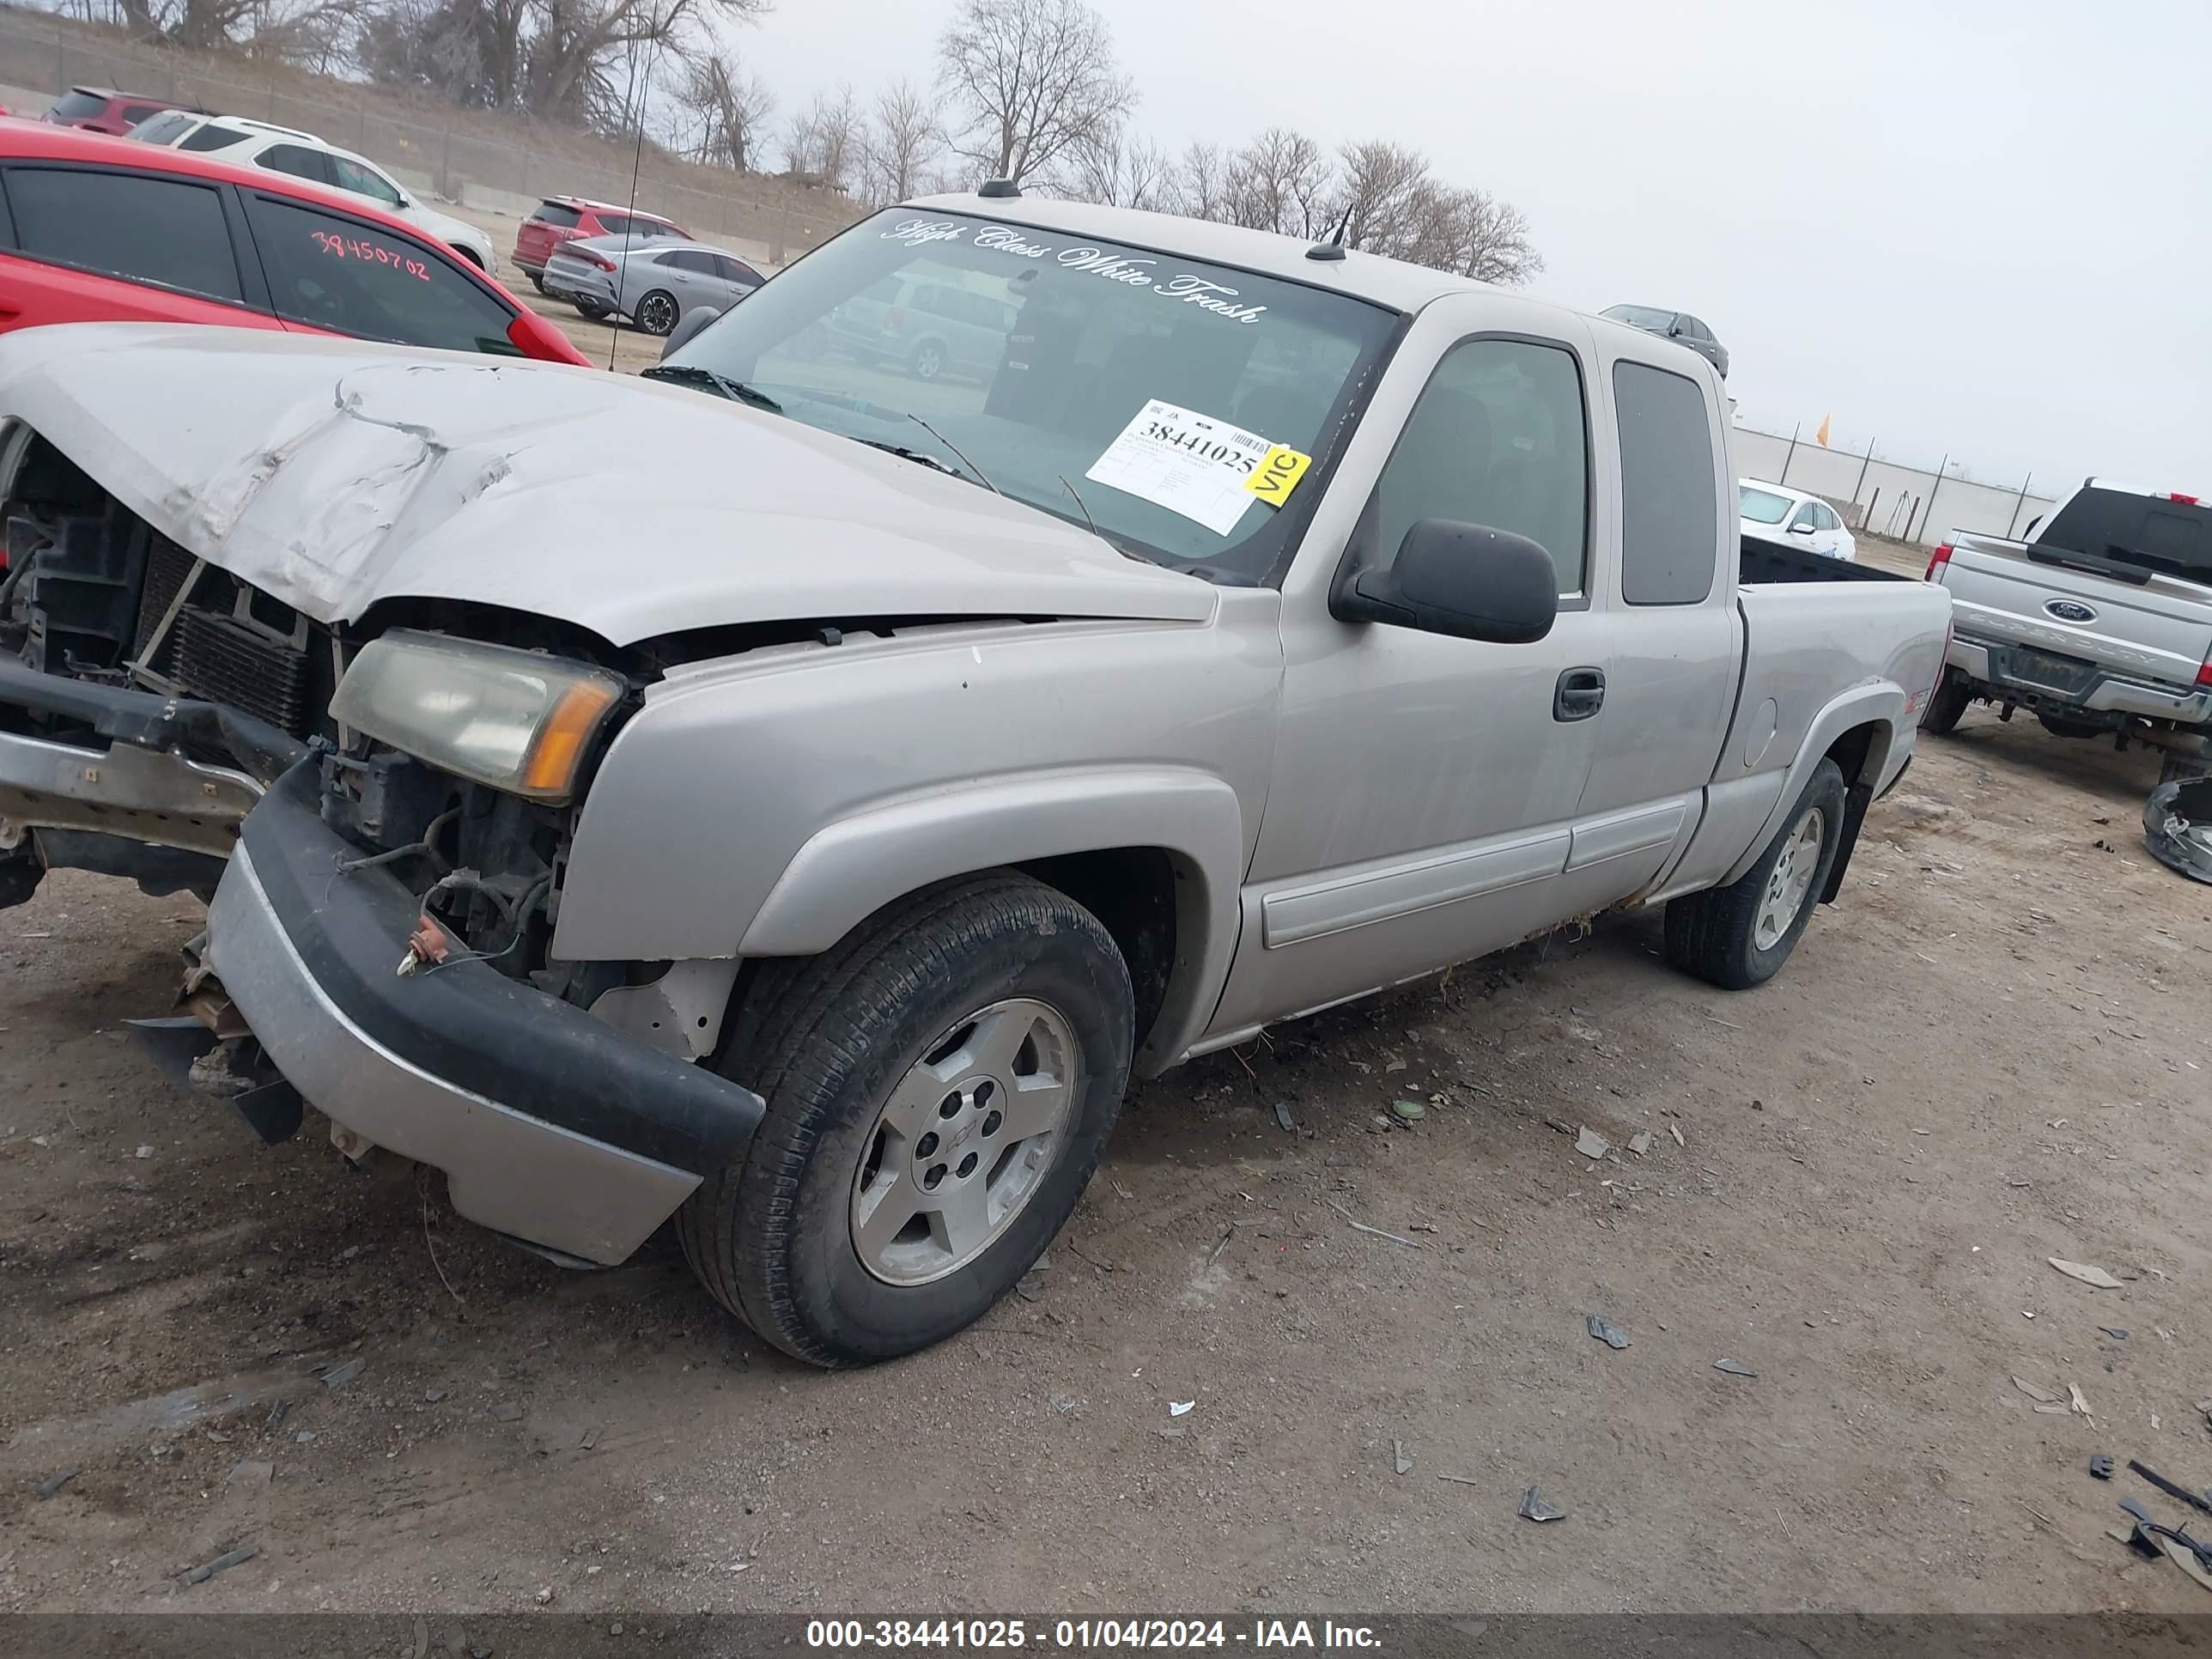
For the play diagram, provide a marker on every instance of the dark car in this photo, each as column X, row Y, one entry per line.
column 1674, row 325
column 103, row 109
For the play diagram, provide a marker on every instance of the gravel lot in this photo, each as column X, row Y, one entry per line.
column 1994, row 1052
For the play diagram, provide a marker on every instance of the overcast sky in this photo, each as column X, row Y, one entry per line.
column 1982, row 227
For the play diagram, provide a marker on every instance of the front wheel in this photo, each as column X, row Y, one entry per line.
column 939, row 1085
column 1739, row 935
column 927, row 361
column 656, row 314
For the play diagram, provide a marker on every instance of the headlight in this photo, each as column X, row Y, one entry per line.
column 513, row 719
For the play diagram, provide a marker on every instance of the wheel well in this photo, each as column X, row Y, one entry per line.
column 1132, row 890
column 470, row 254
column 1854, row 748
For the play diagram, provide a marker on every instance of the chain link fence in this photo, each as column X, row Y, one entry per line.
column 500, row 162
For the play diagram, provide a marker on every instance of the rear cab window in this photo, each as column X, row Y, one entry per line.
column 2167, row 534
column 171, row 232
column 1669, row 545
column 330, row 271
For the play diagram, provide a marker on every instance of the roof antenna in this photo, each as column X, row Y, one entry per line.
column 1333, row 247
column 629, row 219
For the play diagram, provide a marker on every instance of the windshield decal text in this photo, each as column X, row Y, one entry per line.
column 1135, row 270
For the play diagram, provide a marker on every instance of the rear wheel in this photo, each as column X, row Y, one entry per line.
column 939, row 1085
column 656, row 314
column 1740, row 935
column 1948, row 702
column 591, row 309
column 927, row 361
column 537, row 279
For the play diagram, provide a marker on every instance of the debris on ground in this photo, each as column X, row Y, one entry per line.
column 338, row 1376
column 2100, row 1467
column 1734, row 1368
column 1606, row 1330
column 508, row 1412
column 1640, row 1142
column 1675, row 1130
column 1180, row 1408
column 2074, row 1398
column 251, row 1472
column 1283, row 1117
column 53, row 1483
column 2087, row 1275
column 2045, row 1395
column 2178, row 827
column 1408, row 1111
column 1401, row 1459
column 277, row 1414
column 228, row 1558
column 590, row 1439
column 1590, row 1144
column 1535, row 1508
column 2170, row 1488
column 434, row 1396
column 1377, row 1233
column 2117, row 1333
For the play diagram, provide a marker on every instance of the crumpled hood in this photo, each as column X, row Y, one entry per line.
column 334, row 474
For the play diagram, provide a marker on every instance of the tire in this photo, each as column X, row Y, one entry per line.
column 1717, row 934
column 1946, row 703
column 656, row 313
column 591, row 310
column 2184, row 769
column 537, row 279
column 927, row 360
column 892, row 1013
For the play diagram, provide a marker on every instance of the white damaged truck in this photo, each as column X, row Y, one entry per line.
column 791, row 794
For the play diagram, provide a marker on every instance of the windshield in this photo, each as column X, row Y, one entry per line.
column 163, row 129
column 1173, row 405
column 1762, row 506
column 2158, row 532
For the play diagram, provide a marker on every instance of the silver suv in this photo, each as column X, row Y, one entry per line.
column 931, row 328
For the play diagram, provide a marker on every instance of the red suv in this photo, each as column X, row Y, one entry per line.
column 571, row 219
column 103, row 109
column 100, row 229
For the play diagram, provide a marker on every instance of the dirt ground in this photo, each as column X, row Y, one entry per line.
column 1994, row 1052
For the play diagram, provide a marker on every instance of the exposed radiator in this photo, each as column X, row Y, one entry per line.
column 223, row 660
column 166, row 567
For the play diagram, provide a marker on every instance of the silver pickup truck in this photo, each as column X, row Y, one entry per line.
column 2099, row 623
column 793, row 796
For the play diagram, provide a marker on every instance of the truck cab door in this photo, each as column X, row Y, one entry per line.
column 1423, row 787
column 1675, row 637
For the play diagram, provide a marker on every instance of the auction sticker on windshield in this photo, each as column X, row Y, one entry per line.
column 1189, row 463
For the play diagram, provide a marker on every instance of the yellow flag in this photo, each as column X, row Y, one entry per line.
column 1822, row 434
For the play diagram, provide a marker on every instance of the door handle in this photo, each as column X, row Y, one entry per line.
column 1580, row 694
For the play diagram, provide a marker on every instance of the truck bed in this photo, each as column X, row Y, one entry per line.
column 1764, row 562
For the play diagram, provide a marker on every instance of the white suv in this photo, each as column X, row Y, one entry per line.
column 303, row 155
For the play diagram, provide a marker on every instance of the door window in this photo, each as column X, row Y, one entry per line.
column 363, row 180
column 330, row 271
column 300, row 163
column 162, row 231
column 736, row 270
column 1824, row 517
column 1805, row 517
column 1499, row 438
column 1668, row 534
column 211, row 137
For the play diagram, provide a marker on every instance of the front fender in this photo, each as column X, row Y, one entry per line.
column 1881, row 705
column 850, row 869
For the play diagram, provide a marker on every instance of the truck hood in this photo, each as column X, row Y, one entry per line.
column 335, row 474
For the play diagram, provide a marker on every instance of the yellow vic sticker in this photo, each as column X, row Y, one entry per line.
column 1277, row 475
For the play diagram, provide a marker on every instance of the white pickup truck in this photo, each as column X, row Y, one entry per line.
column 2099, row 624
column 792, row 795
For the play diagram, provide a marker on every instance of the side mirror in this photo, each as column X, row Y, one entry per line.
column 1466, row 581
column 1800, row 529
column 688, row 329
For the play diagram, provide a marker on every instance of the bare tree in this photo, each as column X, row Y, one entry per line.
column 311, row 31
column 903, row 143
column 1028, row 80
column 1281, row 181
column 731, row 105
column 1380, row 190
column 822, row 143
column 1114, row 169
column 1471, row 232
column 1196, row 183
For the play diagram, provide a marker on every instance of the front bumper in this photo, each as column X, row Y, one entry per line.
column 549, row 1124
column 2098, row 692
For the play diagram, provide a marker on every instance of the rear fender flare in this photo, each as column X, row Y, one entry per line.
column 849, row 869
column 1881, row 705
